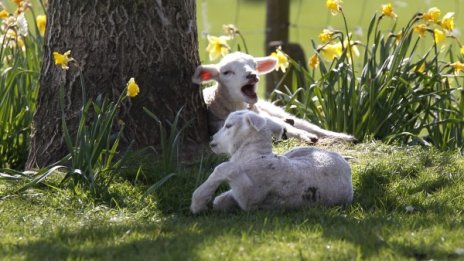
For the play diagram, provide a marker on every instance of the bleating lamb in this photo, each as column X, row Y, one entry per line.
column 260, row 179
column 237, row 76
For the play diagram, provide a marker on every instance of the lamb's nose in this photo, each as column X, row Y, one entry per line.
column 252, row 76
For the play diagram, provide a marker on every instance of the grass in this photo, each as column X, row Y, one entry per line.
column 408, row 205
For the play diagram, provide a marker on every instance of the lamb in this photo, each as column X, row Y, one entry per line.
column 260, row 179
column 237, row 76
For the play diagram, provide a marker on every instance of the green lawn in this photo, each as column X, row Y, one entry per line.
column 408, row 204
column 307, row 18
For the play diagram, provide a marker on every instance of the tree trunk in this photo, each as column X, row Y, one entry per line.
column 153, row 41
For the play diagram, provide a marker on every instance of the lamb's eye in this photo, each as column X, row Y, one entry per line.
column 227, row 126
column 228, row 72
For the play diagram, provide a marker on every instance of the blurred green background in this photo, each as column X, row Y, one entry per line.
column 308, row 18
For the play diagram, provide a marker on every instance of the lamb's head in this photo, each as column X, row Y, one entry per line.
column 237, row 75
column 246, row 128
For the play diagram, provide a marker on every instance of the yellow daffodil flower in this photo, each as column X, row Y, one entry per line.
column 421, row 29
column 217, row 46
column 325, row 36
column 387, row 10
column 439, row 36
column 457, row 66
column 313, row 61
column 461, row 50
column 41, row 21
column 432, row 15
column 282, row 59
column 447, row 22
column 421, row 68
column 62, row 59
column 132, row 88
column 18, row 2
column 335, row 6
column 4, row 14
column 331, row 51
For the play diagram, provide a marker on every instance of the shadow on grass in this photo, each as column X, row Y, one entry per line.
column 182, row 237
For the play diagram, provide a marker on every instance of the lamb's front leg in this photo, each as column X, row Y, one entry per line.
column 204, row 193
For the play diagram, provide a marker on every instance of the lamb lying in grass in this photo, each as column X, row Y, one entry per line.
column 259, row 179
column 237, row 76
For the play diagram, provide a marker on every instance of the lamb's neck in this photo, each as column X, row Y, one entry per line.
column 223, row 96
column 251, row 151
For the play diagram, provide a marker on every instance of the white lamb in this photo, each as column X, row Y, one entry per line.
column 237, row 76
column 260, row 179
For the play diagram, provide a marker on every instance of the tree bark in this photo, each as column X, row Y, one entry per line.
column 153, row 41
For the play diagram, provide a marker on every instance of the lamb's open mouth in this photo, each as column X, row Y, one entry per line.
column 249, row 91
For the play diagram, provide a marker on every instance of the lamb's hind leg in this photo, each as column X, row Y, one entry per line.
column 320, row 132
column 300, row 124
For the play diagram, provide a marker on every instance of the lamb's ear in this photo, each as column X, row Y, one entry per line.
column 256, row 121
column 278, row 130
column 265, row 64
column 205, row 73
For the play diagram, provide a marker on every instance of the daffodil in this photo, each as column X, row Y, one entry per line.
column 132, row 88
column 217, row 46
column 21, row 23
column 352, row 49
column 461, row 50
column 421, row 29
column 230, row 29
column 41, row 21
column 282, row 59
column 63, row 59
column 335, row 6
column 331, row 51
column 439, row 36
column 457, row 66
column 325, row 36
column 421, row 68
column 432, row 15
column 447, row 22
column 4, row 14
column 387, row 10
column 18, row 2
column 313, row 61
column 11, row 40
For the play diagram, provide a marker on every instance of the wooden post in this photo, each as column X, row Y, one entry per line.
column 277, row 23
